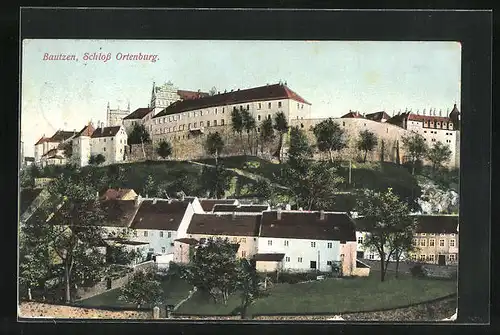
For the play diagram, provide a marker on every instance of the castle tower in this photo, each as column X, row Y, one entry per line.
column 163, row 96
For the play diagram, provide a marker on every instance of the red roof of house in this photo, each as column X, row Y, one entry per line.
column 355, row 115
column 106, row 132
column 138, row 114
column 42, row 140
column 378, row 116
column 188, row 95
column 269, row 92
column 88, row 130
column 62, row 135
column 422, row 118
column 160, row 215
column 115, row 194
column 216, row 224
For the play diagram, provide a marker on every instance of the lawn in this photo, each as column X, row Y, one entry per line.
column 174, row 291
column 333, row 296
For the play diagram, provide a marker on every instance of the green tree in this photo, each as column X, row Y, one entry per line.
column 214, row 145
column 214, row 269
column 438, row 154
column 248, row 284
column 281, row 126
column 149, row 186
column 238, row 124
column 366, row 142
column 329, row 137
column 164, row 149
column 144, row 288
column 216, row 180
column 299, row 145
column 67, row 148
column 416, row 149
column 388, row 223
column 139, row 135
column 266, row 133
column 249, row 126
column 97, row 159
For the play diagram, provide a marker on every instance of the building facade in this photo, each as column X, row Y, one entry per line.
column 111, row 142
column 114, row 117
column 81, row 145
column 49, row 150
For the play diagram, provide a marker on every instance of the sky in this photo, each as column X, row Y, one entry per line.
column 334, row 76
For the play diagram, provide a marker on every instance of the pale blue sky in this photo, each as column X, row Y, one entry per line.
column 334, row 76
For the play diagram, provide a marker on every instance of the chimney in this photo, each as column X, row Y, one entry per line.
column 440, row 112
column 278, row 214
column 321, row 215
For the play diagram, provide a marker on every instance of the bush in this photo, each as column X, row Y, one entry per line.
column 418, row 271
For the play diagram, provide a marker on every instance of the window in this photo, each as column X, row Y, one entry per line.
column 201, row 123
column 235, row 239
column 341, row 256
column 360, row 240
column 269, row 105
column 208, row 123
column 161, row 234
column 343, row 123
column 258, row 117
column 431, row 258
column 189, row 125
column 452, row 243
column 222, row 122
column 423, row 234
column 260, row 106
column 299, row 259
column 223, row 109
column 441, row 234
column 328, row 262
column 422, row 257
column 243, row 240
column 329, row 245
column 342, row 242
column 269, row 242
column 145, row 234
column 286, row 243
column 287, row 259
column 104, row 140
column 279, row 103
column 104, row 149
column 431, row 242
column 313, row 244
column 201, row 113
column 169, row 234
column 432, row 234
column 194, row 125
column 452, row 257
column 163, row 250
column 422, row 242
column 413, row 257
column 269, row 116
column 172, row 244
column 135, row 233
column 121, row 150
column 215, row 122
column 371, row 256
column 312, row 264
column 415, row 241
column 441, row 243
column 243, row 253
column 248, row 107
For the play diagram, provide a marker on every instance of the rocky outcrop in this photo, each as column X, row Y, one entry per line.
column 436, row 200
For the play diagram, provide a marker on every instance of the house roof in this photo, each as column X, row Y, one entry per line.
column 115, row 194
column 88, row 130
column 454, row 112
column 351, row 114
column 268, row 92
column 208, row 204
column 61, row 136
column 162, row 215
column 106, row 132
column 308, row 225
column 188, row 95
column 138, row 114
column 432, row 224
column 27, row 196
column 51, row 153
column 240, row 209
column 409, row 116
column 224, row 224
column 185, row 240
column 268, row 257
column 378, row 116
column 42, row 140
column 119, row 213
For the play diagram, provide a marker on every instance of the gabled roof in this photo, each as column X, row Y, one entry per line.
column 61, row 136
column 162, row 215
column 378, row 116
column 42, row 140
column 308, row 225
column 119, row 213
column 240, row 209
column 106, row 132
column 115, row 194
column 138, row 114
column 262, row 93
column 224, row 224
column 355, row 115
column 422, row 118
column 88, row 130
column 208, row 204
column 430, row 224
column 52, row 153
column 187, row 95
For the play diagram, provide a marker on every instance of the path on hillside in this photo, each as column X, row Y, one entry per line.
column 242, row 173
column 191, row 293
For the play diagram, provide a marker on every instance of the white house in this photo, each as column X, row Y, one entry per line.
column 307, row 241
column 50, row 151
column 110, row 142
column 81, row 145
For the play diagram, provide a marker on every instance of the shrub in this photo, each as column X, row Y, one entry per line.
column 418, row 271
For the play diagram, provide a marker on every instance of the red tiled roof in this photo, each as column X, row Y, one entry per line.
column 88, row 130
column 422, row 118
column 355, row 115
column 378, row 116
column 308, row 225
column 208, row 204
column 188, row 95
column 42, row 139
column 225, row 224
column 270, row 92
column 118, row 213
column 268, row 257
column 106, row 132
column 138, row 114
column 115, row 194
column 162, row 215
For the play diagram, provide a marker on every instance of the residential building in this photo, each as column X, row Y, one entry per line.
column 240, row 229
column 114, row 117
column 50, row 151
column 310, row 241
column 119, row 194
column 81, row 145
column 192, row 116
column 28, row 161
column 111, row 142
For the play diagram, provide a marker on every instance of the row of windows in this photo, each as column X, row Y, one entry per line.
column 432, row 257
column 432, row 242
column 146, row 234
column 329, row 245
column 433, row 234
column 189, row 126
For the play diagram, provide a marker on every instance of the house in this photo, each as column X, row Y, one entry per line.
column 139, row 116
column 111, row 142
column 242, row 229
column 160, row 222
column 49, row 150
column 140, row 248
column 240, row 209
column 119, row 215
column 208, row 204
column 119, row 194
column 353, row 114
column 81, row 145
column 310, row 241
column 436, row 239
column 28, row 161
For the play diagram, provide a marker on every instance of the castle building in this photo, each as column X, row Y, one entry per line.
column 139, row 116
column 378, row 116
column 49, row 150
column 114, row 117
column 81, row 145
column 111, row 142
column 194, row 116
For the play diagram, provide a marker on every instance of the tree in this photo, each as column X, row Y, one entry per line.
column 214, row 145
column 139, row 135
column 438, row 155
column 249, row 125
column 97, row 159
column 216, row 180
column 67, row 148
column 238, row 124
column 299, row 145
column 149, row 186
column 388, row 223
column 366, row 142
column 415, row 149
column 214, row 269
column 248, row 284
column 329, row 137
column 281, row 126
column 164, row 149
column 74, row 216
column 266, row 133
column 144, row 288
